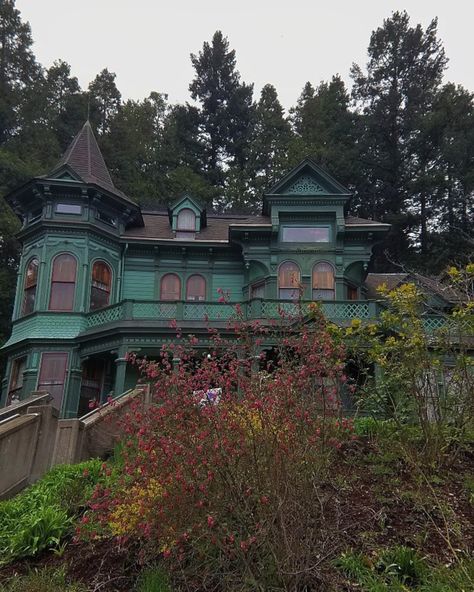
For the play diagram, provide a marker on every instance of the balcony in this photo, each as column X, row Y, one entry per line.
column 137, row 314
column 257, row 309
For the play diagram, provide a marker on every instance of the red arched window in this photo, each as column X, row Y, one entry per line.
column 170, row 287
column 196, row 288
column 289, row 281
column 63, row 283
column 323, row 281
column 101, row 283
column 29, row 291
column 186, row 224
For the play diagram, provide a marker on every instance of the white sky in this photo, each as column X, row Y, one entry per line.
column 147, row 42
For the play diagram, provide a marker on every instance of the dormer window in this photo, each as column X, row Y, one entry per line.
column 186, row 224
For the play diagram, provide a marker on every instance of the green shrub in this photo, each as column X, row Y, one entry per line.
column 45, row 580
column 39, row 517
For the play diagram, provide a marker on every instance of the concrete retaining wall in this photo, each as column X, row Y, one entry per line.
column 33, row 439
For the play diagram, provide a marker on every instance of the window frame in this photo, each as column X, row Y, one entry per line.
column 287, row 288
column 91, row 285
column 194, row 299
column 26, row 288
column 178, row 290
column 53, row 282
column 59, row 204
column 315, row 288
column 302, row 226
column 185, row 233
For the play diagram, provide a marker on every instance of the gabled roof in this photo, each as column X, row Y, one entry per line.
column 84, row 160
column 429, row 286
column 308, row 178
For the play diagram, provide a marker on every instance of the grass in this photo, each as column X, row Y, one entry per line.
column 44, row 580
column 402, row 569
column 153, row 579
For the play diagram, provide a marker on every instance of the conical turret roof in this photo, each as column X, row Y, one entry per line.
column 84, row 157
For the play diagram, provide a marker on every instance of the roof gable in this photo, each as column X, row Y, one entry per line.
column 185, row 201
column 308, row 179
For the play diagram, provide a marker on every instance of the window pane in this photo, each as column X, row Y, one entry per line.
column 29, row 300
column 323, row 276
column 100, row 285
column 29, row 293
column 289, row 275
column 65, row 208
column 62, row 296
column 99, row 298
column 170, row 287
column 196, row 288
column 31, row 273
column 288, row 294
column 186, row 220
column 305, row 234
column 319, row 294
column 64, row 268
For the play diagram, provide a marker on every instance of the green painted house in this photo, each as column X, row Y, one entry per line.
column 100, row 277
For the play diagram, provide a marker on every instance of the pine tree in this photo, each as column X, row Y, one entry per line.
column 269, row 144
column 105, row 100
column 226, row 108
column 404, row 72
column 325, row 129
column 18, row 67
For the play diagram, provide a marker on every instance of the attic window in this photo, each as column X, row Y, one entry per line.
column 68, row 208
column 186, row 224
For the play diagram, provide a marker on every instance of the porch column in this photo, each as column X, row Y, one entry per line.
column 120, row 372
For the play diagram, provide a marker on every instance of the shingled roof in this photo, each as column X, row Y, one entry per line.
column 84, row 157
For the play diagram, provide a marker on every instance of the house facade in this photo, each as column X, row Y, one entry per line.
column 100, row 277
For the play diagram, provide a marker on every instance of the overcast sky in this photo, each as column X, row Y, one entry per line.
column 284, row 42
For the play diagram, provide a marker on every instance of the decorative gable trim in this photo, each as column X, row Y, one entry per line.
column 305, row 185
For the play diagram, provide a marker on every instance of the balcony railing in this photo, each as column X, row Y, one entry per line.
column 130, row 310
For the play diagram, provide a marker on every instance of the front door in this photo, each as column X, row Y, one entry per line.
column 92, row 384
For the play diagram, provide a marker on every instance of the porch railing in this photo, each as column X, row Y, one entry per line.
column 130, row 310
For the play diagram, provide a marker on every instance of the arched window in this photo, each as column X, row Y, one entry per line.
column 289, row 281
column 29, row 291
column 196, row 288
column 170, row 287
column 63, row 282
column 323, row 281
column 101, row 283
column 186, row 224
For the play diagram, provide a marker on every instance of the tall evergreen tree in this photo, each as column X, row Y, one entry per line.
column 18, row 67
column 105, row 100
column 325, row 129
column 226, row 108
column 131, row 145
column 66, row 105
column 269, row 144
column 404, row 72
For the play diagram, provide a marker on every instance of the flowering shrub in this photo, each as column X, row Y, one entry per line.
column 225, row 491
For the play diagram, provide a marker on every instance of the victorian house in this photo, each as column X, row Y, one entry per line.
column 99, row 276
